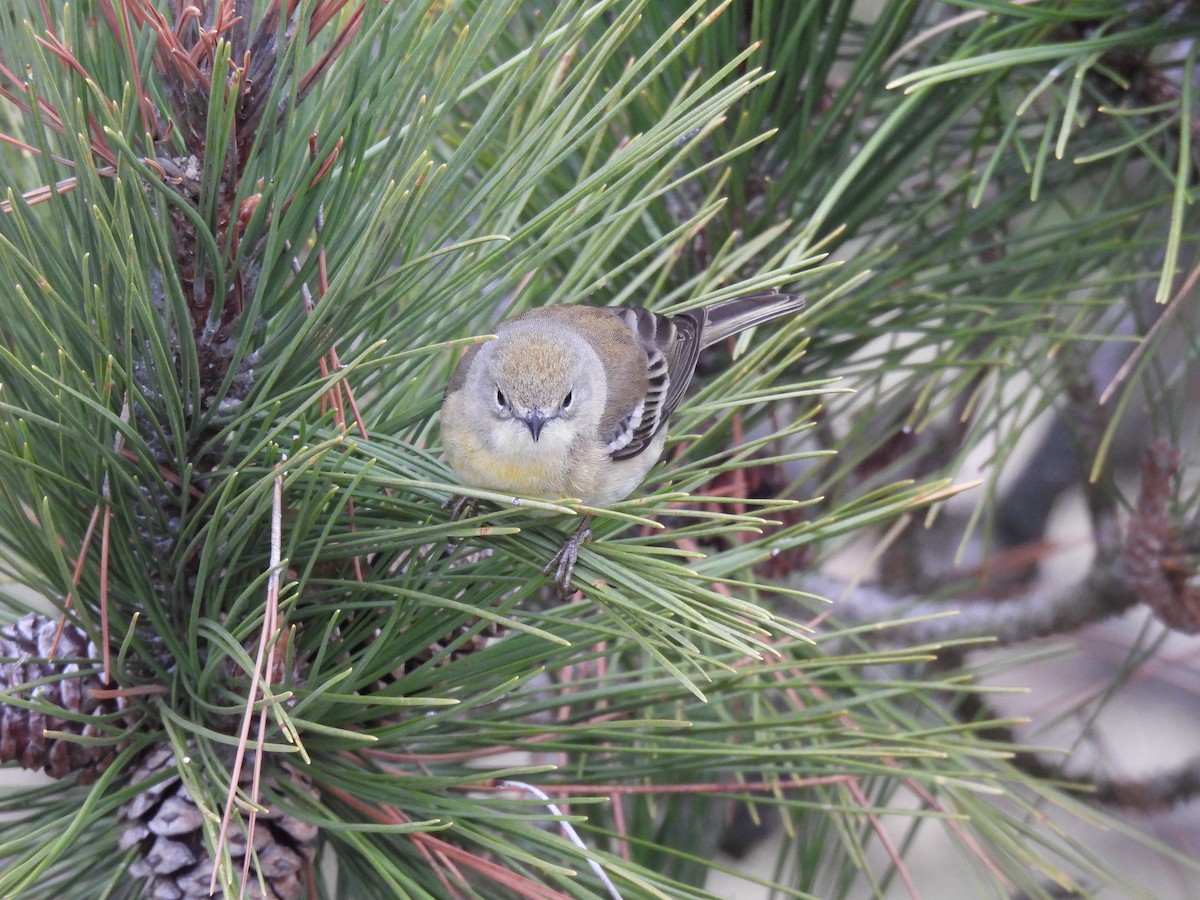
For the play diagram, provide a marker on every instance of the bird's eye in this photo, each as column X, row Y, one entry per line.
column 500, row 398
column 567, row 399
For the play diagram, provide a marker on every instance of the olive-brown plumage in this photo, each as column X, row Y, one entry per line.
column 573, row 401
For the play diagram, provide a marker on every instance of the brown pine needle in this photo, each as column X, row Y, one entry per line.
column 885, row 839
column 702, row 787
column 1148, row 340
column 447, row 852
column 141, row 690
column 167, row 475
column 328, row 163
column 105, row 653
column 263, row 663
column 75, row 575
column 106, row 493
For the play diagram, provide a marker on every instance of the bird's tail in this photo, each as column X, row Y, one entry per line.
column 739, row 313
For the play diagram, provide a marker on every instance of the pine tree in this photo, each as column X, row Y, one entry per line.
column 242, row 246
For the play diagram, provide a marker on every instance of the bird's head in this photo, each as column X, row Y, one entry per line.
column 537, row 385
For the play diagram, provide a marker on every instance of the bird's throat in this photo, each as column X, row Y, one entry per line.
column 521, row 465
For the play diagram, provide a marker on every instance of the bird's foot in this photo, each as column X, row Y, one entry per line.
column 562, row 564
column 458, row 504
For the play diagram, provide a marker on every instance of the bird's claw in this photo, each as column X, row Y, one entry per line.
column 458, row 504
column 562, row 564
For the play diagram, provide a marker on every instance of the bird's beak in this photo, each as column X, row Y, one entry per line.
column 535, row 419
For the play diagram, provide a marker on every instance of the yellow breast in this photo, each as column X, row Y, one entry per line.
column 551, row 468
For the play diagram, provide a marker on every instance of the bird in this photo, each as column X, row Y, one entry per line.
column 573, row 400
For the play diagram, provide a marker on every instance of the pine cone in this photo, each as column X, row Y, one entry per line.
column 24, row 650
column 165, row 823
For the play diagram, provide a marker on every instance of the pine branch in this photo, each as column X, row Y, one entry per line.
column 242, row 244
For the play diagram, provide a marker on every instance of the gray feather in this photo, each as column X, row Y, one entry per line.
column 672, row 345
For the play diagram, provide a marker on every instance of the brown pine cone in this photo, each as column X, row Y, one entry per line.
column 66, row 683
column 165, row 823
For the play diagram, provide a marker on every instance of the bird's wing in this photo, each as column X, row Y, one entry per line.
column 672, row 347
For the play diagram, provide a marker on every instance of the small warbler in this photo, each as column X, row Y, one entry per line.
column 573, row 401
